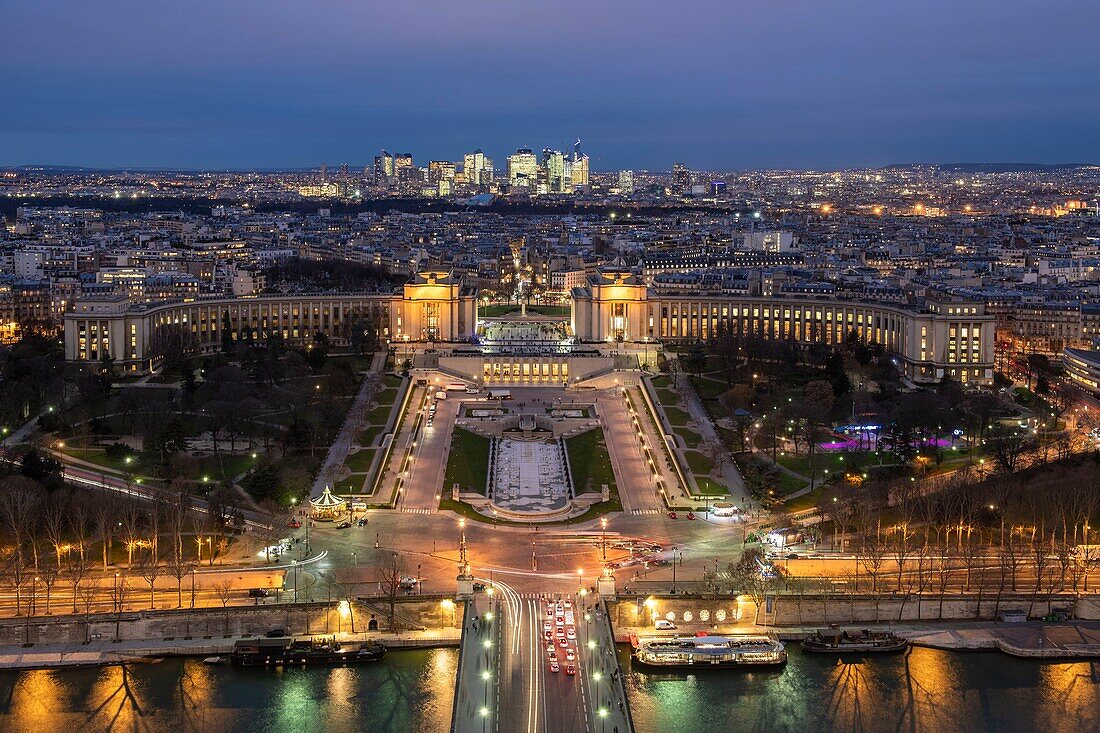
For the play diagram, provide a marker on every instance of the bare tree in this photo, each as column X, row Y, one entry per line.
column 391, row 586
column 54, row 520
column 224, row 590
column 131, row 530
column 150, row 568
column 75, row 570
column 80, row 526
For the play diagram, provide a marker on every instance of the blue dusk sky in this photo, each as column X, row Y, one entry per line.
column 714, row 83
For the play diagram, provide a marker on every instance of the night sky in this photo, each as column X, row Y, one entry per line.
column 713, row 83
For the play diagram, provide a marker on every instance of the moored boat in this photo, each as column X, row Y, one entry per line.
column 285, row 651
column 838, row 641
column 710, row 651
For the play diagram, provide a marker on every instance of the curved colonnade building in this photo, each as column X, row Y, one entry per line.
column 943, row 339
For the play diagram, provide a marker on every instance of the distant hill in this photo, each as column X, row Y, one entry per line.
column 992, row 167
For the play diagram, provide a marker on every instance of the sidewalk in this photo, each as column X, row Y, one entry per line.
column 478, row 670
column 604, row 677
column 353, row 421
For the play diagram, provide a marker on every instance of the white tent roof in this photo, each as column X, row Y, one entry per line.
column 327, row 500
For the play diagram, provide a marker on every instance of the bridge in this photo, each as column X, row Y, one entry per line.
column 538, row 663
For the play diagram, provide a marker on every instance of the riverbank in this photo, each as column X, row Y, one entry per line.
column 138, row 651
column 1031, row 640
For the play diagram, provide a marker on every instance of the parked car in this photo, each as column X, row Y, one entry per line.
column 663, row 624
column 275, row 633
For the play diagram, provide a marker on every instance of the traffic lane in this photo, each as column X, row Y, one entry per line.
column 563, row 707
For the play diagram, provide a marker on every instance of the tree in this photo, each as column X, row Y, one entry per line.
column 391, row 586
column 227, row 333
column 725, row 345
column 695, row 359
column 748, row 577
column 1007, row 446
column 224, row 590
column 40, row 467
column 54, row 522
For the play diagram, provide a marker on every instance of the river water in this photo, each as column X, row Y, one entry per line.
column 922, row 690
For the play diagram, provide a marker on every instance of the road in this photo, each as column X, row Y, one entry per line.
column 541, row 664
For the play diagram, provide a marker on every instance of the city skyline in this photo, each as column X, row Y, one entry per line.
column 715, row 86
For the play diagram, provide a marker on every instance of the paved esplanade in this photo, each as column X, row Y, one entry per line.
column 506, row 681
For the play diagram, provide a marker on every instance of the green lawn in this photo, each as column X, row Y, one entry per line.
column 806, row 501
column 708, row 389
column 360, row 461
column 836, row 462
column 666, row 396
column 707, row 487
column 380, row 414
column 223, row 465
column 468, row 462
column 691, row 438
column 699, row 464
column 99, row 457
column 589, row 461
column 369, row 433
column 676, row 417
column 353, row 484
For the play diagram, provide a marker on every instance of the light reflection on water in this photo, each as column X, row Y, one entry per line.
column 409, row 691
column 922, row 690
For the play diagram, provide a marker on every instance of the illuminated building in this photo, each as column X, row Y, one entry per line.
column 523, row 169
column 1083, row 369
column 557, row 171
column 943, row 339
column 477, row 169
column 626, row 182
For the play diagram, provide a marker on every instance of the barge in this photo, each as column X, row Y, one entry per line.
column 837, row 641
column 287, row 651
column 711, row 651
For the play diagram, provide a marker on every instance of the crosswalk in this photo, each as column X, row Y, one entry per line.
column 645, row 511
column 417, row 510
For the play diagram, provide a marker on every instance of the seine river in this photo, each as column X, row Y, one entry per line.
column 924, row 690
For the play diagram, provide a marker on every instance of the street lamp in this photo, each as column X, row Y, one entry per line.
column 580, row 578
column 603, row 538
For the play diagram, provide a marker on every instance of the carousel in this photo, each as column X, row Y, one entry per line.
column 327, row 507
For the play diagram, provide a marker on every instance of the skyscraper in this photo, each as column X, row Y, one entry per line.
column 557, row 175
column 579, row 173
column 441, row 176
column 626, row 182
column 477, row 168
column 383, row 167
column 523, row 169
column 681, row 178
